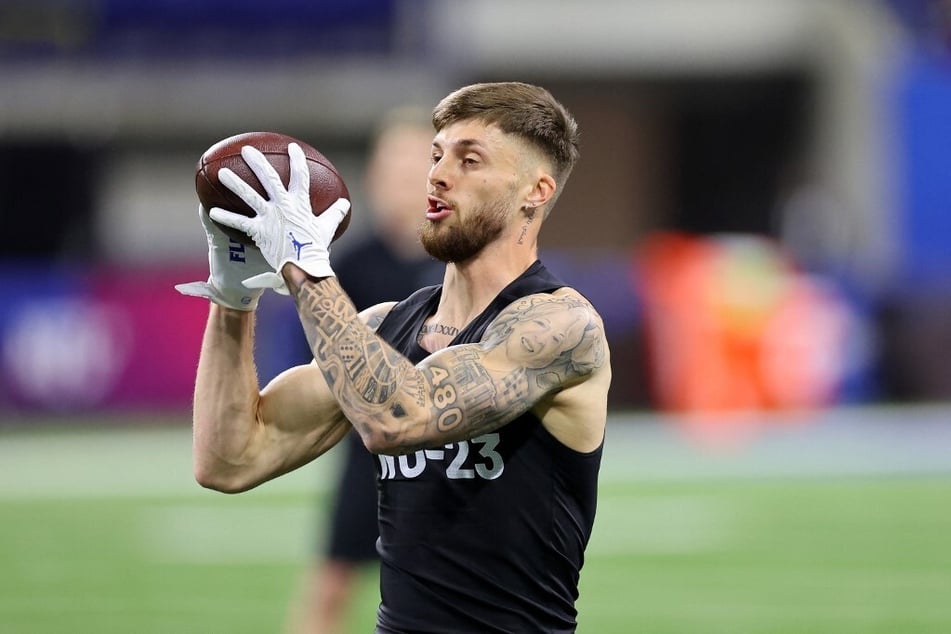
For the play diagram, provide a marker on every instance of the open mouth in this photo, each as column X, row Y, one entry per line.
column 437, row 209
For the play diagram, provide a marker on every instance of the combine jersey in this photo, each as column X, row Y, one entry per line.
column 486, row 534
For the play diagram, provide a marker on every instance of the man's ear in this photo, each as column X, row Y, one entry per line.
column 542, row 192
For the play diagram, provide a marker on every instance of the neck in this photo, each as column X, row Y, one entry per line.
column 468, row 287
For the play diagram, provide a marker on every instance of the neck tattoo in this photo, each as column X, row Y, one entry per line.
column 438, row 329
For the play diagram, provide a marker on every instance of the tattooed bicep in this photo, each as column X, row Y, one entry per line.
column 556, row 339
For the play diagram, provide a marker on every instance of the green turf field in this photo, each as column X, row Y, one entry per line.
column 832, row 531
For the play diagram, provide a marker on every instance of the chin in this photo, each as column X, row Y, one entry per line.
column 448, row 249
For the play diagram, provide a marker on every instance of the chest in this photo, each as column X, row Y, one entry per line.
column 435, row 335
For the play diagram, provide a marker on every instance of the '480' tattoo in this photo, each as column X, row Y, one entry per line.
column 545, row 342
column 462, row 380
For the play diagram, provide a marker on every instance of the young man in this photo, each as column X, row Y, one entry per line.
column 484, row 397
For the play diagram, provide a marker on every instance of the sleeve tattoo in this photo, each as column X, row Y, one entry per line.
column 538, row 345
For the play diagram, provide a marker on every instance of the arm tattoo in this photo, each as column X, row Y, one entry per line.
column 463, row 392
column 547, row 343
column 537, row 346
column 364, row 372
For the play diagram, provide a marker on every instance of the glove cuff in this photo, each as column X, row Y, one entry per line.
column 243, row 299
column 314, row 268
column 246, row 299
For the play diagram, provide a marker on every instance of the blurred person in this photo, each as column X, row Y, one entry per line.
column 484, row 398
column 396, row 172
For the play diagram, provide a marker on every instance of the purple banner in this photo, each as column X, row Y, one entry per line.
column 98, row 340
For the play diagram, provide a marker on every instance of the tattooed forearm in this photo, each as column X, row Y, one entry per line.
column 361, row 369
column 536, row 347
column 463, row 392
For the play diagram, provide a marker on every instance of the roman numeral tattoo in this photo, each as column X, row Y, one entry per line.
column 438, row 329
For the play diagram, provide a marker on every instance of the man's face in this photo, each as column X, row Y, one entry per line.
column 474, row 189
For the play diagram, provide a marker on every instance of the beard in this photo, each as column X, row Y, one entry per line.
column 464, row 241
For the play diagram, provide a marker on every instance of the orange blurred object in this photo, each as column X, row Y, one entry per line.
column 732, row 327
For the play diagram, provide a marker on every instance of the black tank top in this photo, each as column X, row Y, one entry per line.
column 487, row 534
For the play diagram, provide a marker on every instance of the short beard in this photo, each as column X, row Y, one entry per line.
column 463, row 242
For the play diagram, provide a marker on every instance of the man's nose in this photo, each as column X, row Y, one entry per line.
column 437, row 176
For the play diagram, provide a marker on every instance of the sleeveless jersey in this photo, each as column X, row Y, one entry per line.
column 486, row 534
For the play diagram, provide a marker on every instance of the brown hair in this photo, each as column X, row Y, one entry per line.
column 527, row 111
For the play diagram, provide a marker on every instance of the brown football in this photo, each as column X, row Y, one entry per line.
column 326, row 185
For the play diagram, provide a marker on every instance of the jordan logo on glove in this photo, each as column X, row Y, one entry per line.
column 281, row 217
column 298, row 245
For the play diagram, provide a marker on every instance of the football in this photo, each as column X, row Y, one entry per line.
column 326, row 185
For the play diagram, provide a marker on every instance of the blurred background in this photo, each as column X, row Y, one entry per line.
column 762, row 215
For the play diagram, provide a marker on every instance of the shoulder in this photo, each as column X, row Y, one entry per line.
column 564, row 298
column 556, row 344
column 374, row 315
column 559, row 327
column 564, row 306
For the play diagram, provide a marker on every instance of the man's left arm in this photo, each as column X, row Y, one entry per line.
column 539, row 348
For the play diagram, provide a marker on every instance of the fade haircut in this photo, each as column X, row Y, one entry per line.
column 523, row 110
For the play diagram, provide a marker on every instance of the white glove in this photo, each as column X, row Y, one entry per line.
column 229, row 263
column 285, row 228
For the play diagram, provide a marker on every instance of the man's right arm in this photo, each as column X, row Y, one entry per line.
column 244, row 436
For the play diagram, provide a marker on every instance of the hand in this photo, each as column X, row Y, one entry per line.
column 285, row 228
column 229, row 263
